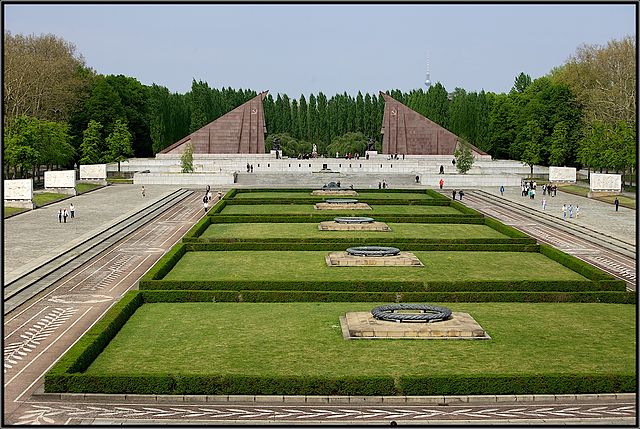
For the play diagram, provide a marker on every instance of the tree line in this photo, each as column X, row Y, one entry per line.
column 581, row 114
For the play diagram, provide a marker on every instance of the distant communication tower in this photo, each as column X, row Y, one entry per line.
column 427, row 81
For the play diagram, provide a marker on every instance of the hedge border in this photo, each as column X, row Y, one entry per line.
column 66, row 375
column 202, row 246
column 380, row 286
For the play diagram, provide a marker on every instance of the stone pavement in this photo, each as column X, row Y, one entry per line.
column 594, row 214
column 36, row 236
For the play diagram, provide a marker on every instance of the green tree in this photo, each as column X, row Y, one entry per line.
column 20, row 137
column 186, row 160
column 91, row 144
column 521, row 83
column 348, row 143
column 464, row 157
column 289, row 145
column 531, row 144
column 560, row 144
column 119, row 143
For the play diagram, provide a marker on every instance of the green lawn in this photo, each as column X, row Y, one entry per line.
column 10, row 211
column 305, row 339
column 81, row 188
column 43, row 198
column 309, row 208
column 311, row 266
column 361, row 194
column 310, row 230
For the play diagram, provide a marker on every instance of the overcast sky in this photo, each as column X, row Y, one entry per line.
column 297, row 49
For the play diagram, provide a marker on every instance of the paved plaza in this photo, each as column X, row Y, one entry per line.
column 36, row 236
column 594, row 214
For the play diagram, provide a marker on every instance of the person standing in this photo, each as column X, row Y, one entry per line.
column 616, row 203
column 533, row 193
column 60, row 215
column 379, row 185
column 205, row 202
column 544, row 203
column 441, row 183
column 72, row 210
column 454, row 194
column 570, row 211
column 248, row 167
column 577, row 211
column 143, row 193
column 65, row 215
column 442, row 169
column 384, row 184
column 417, row 179
column 502, row 190
column 252, row 168
column 564, row 211
column 461, row 194
column 209, row 195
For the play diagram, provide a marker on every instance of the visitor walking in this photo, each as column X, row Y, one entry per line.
column 442, row 169
column 544, row 203
column 564, row 211
column 252, row 168
column 502, row 190
column 143, row 193
column 379, row 185
column 461, row 194
column 248, row 167
column 616, row 203
column 454, row 194
column 65, row 215
column 72, row 210
column 570, row 211
column 577, row 210
column 60, row 215
column 384, row 184
column 417, row 179
column 205, row 202
column 441, row 183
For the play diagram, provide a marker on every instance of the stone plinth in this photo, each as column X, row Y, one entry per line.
column 348, row 206
column 335, row 226
column 362, row 325
column 343, row 259
column 93, row 172
column 346, row 192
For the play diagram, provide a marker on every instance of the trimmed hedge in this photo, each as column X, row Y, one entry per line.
column 316, row 217
column 362, row 240
column 338, row 296
column 166, row 263
column 199, row 228
column 490, row 384
column 505, row 229
column 92, row 343
column 454, row 384
column 376, row 286
column 314, row 200
column 579, row 266
column 341, row 245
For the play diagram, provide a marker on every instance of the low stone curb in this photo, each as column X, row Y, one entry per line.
column 321, row 399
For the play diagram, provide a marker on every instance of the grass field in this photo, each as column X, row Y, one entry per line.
column 305, row 338
column 310, row 230
column 361, row 194
column 309, row 208
column 43, row 198
column 10, row 211
column 311, row 266
column 582, row 191
column 81, row 188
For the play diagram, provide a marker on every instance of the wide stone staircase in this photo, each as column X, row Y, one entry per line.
column 318, row 179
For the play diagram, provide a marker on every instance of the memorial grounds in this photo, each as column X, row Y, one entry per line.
column 246, row 304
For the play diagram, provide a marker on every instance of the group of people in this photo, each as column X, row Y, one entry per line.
column 529, row 189
column 208, row 197
column 65, row 213
column 249, row 168
column 570, row 210
column 382, row 185
column 394, row 156
column 460, row 193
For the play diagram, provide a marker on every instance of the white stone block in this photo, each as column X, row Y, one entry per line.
column 60, row 179
column 93, row 172
column 562, row 174
column 605, row 182
column 19, row 189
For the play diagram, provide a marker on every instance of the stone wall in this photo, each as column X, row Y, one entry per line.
column 60, row 179
column 93, row 172
column 605, row 182
column 562, row 174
